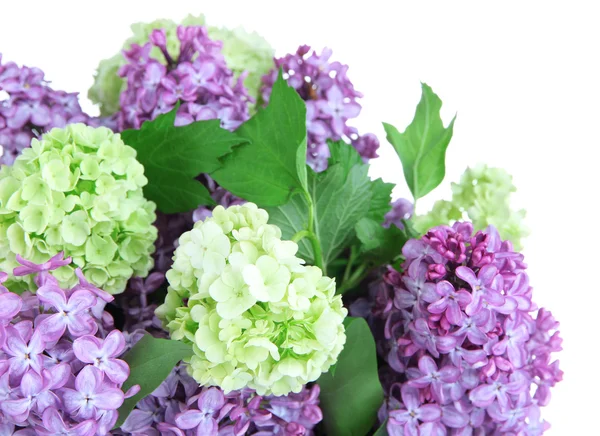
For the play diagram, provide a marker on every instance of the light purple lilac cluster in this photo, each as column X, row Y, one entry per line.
column 467, row 350
column 30, row 107
column 60, row 371
column 331, row 101
column 179, row 407
column 199, row 79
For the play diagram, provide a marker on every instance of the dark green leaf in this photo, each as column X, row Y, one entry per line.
column 150, row 361
column 422, row 146
column 175, row 197
column 382, row 431
column 272, row 167
column 378, row 244
column 173, row 156
column 350, row 400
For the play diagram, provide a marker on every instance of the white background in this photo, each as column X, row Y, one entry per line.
column 522, row 76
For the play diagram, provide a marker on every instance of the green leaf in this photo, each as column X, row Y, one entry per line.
column 341, row 196
column 341, row 153
column 382, row 431
column 272, row 167
column 381, row 197
column 378, row 244
column 292, row 218
column 174, row 156
column 422, row 146
column 350, row 400
column 150, row 361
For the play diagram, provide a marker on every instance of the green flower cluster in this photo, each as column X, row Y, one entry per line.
column 483, row 197
column 243, row 51
column 78, row 190
column 256, row 316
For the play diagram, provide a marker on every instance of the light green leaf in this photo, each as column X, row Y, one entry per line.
column 422, row 146
column 272, row 167
column 174, row 156
column 355, row 387
column 150, row 362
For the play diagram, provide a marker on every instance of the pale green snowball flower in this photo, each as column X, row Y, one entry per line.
column 256, row 315
column 78, row 190
column 483, row 197
column 243, row 51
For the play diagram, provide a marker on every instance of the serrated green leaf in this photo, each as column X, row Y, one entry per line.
column 182, row 196
column 341, row 153
column 272, row 166
column 150, row 362
column 173, row 156
column 291, row 218
column 341, row 196
column 355, row 387
column 378, row 244
column 381, row 197
column 422, row 146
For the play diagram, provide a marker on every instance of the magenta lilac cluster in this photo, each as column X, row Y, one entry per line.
column 331, row 101
column 179, row 407
column 60, row 371
column 30, row 107
column 198, row 79
column 467, row 349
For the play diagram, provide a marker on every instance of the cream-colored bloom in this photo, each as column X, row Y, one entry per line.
column 260, row 319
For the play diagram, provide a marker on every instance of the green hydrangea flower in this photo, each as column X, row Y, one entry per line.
column 243, row 51
column 78, row 190
column 256, row 316
column 483, row 197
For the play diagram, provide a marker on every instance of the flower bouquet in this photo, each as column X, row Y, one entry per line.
column 209, row 256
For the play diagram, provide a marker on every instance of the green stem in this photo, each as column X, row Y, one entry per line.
column 357, row 276
column 301, row 235
column 349, row 264
column 316, row 244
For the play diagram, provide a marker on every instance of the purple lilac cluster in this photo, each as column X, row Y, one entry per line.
column 330, row 102
column 59, row 366
column 31, row 107
column 199, row 79
column 467, row 350
column 179, row 407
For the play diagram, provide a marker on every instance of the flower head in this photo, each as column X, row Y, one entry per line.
column 179, row 405
column 31, row 108
column 245, row 54
column 459, row 332
column 483, row 196
column 59, row 366
column 257, row 317
column 197, row 77
column 78, row 191
column 331, row 101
